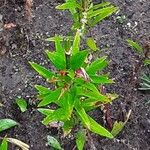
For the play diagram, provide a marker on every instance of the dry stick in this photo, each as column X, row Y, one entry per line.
column 28, row 7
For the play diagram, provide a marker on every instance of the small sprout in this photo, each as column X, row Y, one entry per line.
column 92, row 44
column 80, row 139
column 22, row 104
column 121, row 19
column 53, row 142
column 135, row 45
column 118, row 126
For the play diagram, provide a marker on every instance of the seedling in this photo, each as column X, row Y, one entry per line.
column 145, row 85
column 22, row 104
column 140, row 50
column 76, row 81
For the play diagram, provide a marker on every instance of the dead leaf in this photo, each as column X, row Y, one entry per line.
column 9, row 25
column 28, row 7
column 19, row 143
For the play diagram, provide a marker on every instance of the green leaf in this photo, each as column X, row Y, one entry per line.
column 81, row 112
column 135, row 45
column 53, row 142
column 22, row 104
column 97, row 65
column 45, row 111
column 80, row 139
column 98, row 129
column 76, row 43
column 93, row 95
column 57, row 115
column 4, row 145
column 91, row 44
column 53, row 97
column 68, row 125
column 42, row 90
column 68, row 5
column 78, row 59
column 6, row 124
column 57, row 60
column 117, row 127
column 101, row 14
column 103, row 4
column 103, row 79
column 41, row 70
column 147, row 62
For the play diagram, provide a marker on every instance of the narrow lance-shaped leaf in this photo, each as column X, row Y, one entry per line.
column 45, row 111
column 98, row 129
column 78, row 59
column 81, row 112
column 76, row 43
column 53, row 142
column 91, row 44
column 22, row 104
column 147, row 62
column 135, row 45
column 53, row 97
column 68, row 5
column 102, row 14
column 59, row 49
column 42, row 70
column 57, row 60
column 4, row 145
column 80, row 139
column 108, row 10
column 97, row 65
column 42, row 90
column 6, row 124
column 102, row 79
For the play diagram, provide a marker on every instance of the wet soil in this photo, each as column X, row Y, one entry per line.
column 25, row 42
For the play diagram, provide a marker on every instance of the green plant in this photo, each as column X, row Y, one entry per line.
column 22, row 104
column 76, row 83
column 145, row 85
column 76, row 88
column 144, row 53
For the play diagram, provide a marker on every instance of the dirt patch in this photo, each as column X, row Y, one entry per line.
column 24, row 43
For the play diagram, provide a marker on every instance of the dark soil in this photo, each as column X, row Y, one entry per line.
column 24, row 42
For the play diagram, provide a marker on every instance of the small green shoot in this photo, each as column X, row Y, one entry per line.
column 53, row 142
column 145, row 84
column 118, row 126
column 135, row 45
column 91, row 44
column 22, row 104
column 80, row 139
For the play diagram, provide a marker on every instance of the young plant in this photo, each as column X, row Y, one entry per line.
column 76, row 81
column 143, row 52
column 76, row 89
column 145, row 85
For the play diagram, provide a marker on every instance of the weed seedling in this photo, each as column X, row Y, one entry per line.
column 76, row 80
